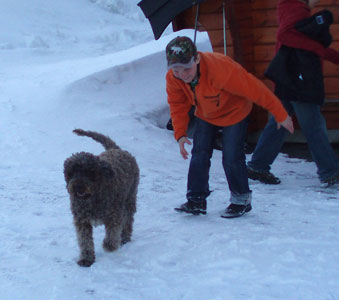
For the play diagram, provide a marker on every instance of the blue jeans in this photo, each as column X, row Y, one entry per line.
column 233, row 161
column 313, row 126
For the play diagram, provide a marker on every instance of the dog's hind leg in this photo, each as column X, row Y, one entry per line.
column 85, row 240
column 128, row 225
column 112, row 239
column 127, row 231
column 129, row 217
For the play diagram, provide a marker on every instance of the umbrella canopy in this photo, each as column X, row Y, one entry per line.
column 161, row 12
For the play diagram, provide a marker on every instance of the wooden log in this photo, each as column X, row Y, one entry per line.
column 331, row 112
column 272, row 4
column 264, row 4
column 265, row 35
column 331, row 85
column 325, row 3
column 211, row 6
column 331, row 70
column 264, row 53
column 265, row 18
column 217, row 37
column 212, row 21
column 220, row 49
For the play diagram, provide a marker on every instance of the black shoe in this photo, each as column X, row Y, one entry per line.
column 194, row 208
column 169, row 125
column 330, row 181
column 236, row 210
column 265, row 177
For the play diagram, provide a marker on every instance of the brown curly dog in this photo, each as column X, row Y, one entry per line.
column 103, row 190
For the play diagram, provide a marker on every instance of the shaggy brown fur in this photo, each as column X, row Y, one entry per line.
column 102, row 190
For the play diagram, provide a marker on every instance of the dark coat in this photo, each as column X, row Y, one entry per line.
column 298, row 73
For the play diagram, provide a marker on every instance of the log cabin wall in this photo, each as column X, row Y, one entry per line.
column 250, row 40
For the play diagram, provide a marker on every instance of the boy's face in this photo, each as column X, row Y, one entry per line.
column 187, row 75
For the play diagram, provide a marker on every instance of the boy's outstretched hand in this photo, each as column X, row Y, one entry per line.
column 182, row 141
column 288, row 124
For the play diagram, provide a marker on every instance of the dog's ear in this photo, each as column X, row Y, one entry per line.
column 79, row 161
column 68, row 168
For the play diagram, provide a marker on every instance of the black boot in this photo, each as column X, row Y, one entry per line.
column 194, row 208
column 330, row 181
column 236, row 210
column 265, row 177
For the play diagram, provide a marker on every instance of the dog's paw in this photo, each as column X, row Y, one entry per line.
column 109, row 246
column 85, row 262
column 125, row 240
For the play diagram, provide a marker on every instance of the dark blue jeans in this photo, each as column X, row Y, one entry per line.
column 233, row 161
column 313, row 126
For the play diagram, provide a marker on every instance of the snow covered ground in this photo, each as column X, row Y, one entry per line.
column 94, row 64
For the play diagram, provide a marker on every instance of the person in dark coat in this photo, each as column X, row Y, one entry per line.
column 302, row 44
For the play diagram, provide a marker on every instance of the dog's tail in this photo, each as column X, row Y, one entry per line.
column 102, row 139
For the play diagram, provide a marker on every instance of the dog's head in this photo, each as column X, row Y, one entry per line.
column 85, row 174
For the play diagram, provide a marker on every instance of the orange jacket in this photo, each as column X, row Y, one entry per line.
column 223, row 96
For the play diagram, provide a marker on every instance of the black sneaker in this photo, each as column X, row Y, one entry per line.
column 265, row 177
column 194, row 208
column 330, row 181
column 236, row 210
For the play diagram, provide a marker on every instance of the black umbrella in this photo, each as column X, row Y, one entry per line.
column 162, row 12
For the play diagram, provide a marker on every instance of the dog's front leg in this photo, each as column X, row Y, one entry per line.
column 85, row 240
column 112, row 239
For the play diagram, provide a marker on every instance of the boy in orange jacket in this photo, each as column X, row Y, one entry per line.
column 223, row 93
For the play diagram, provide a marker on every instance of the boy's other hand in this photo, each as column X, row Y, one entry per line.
column 182, row 141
